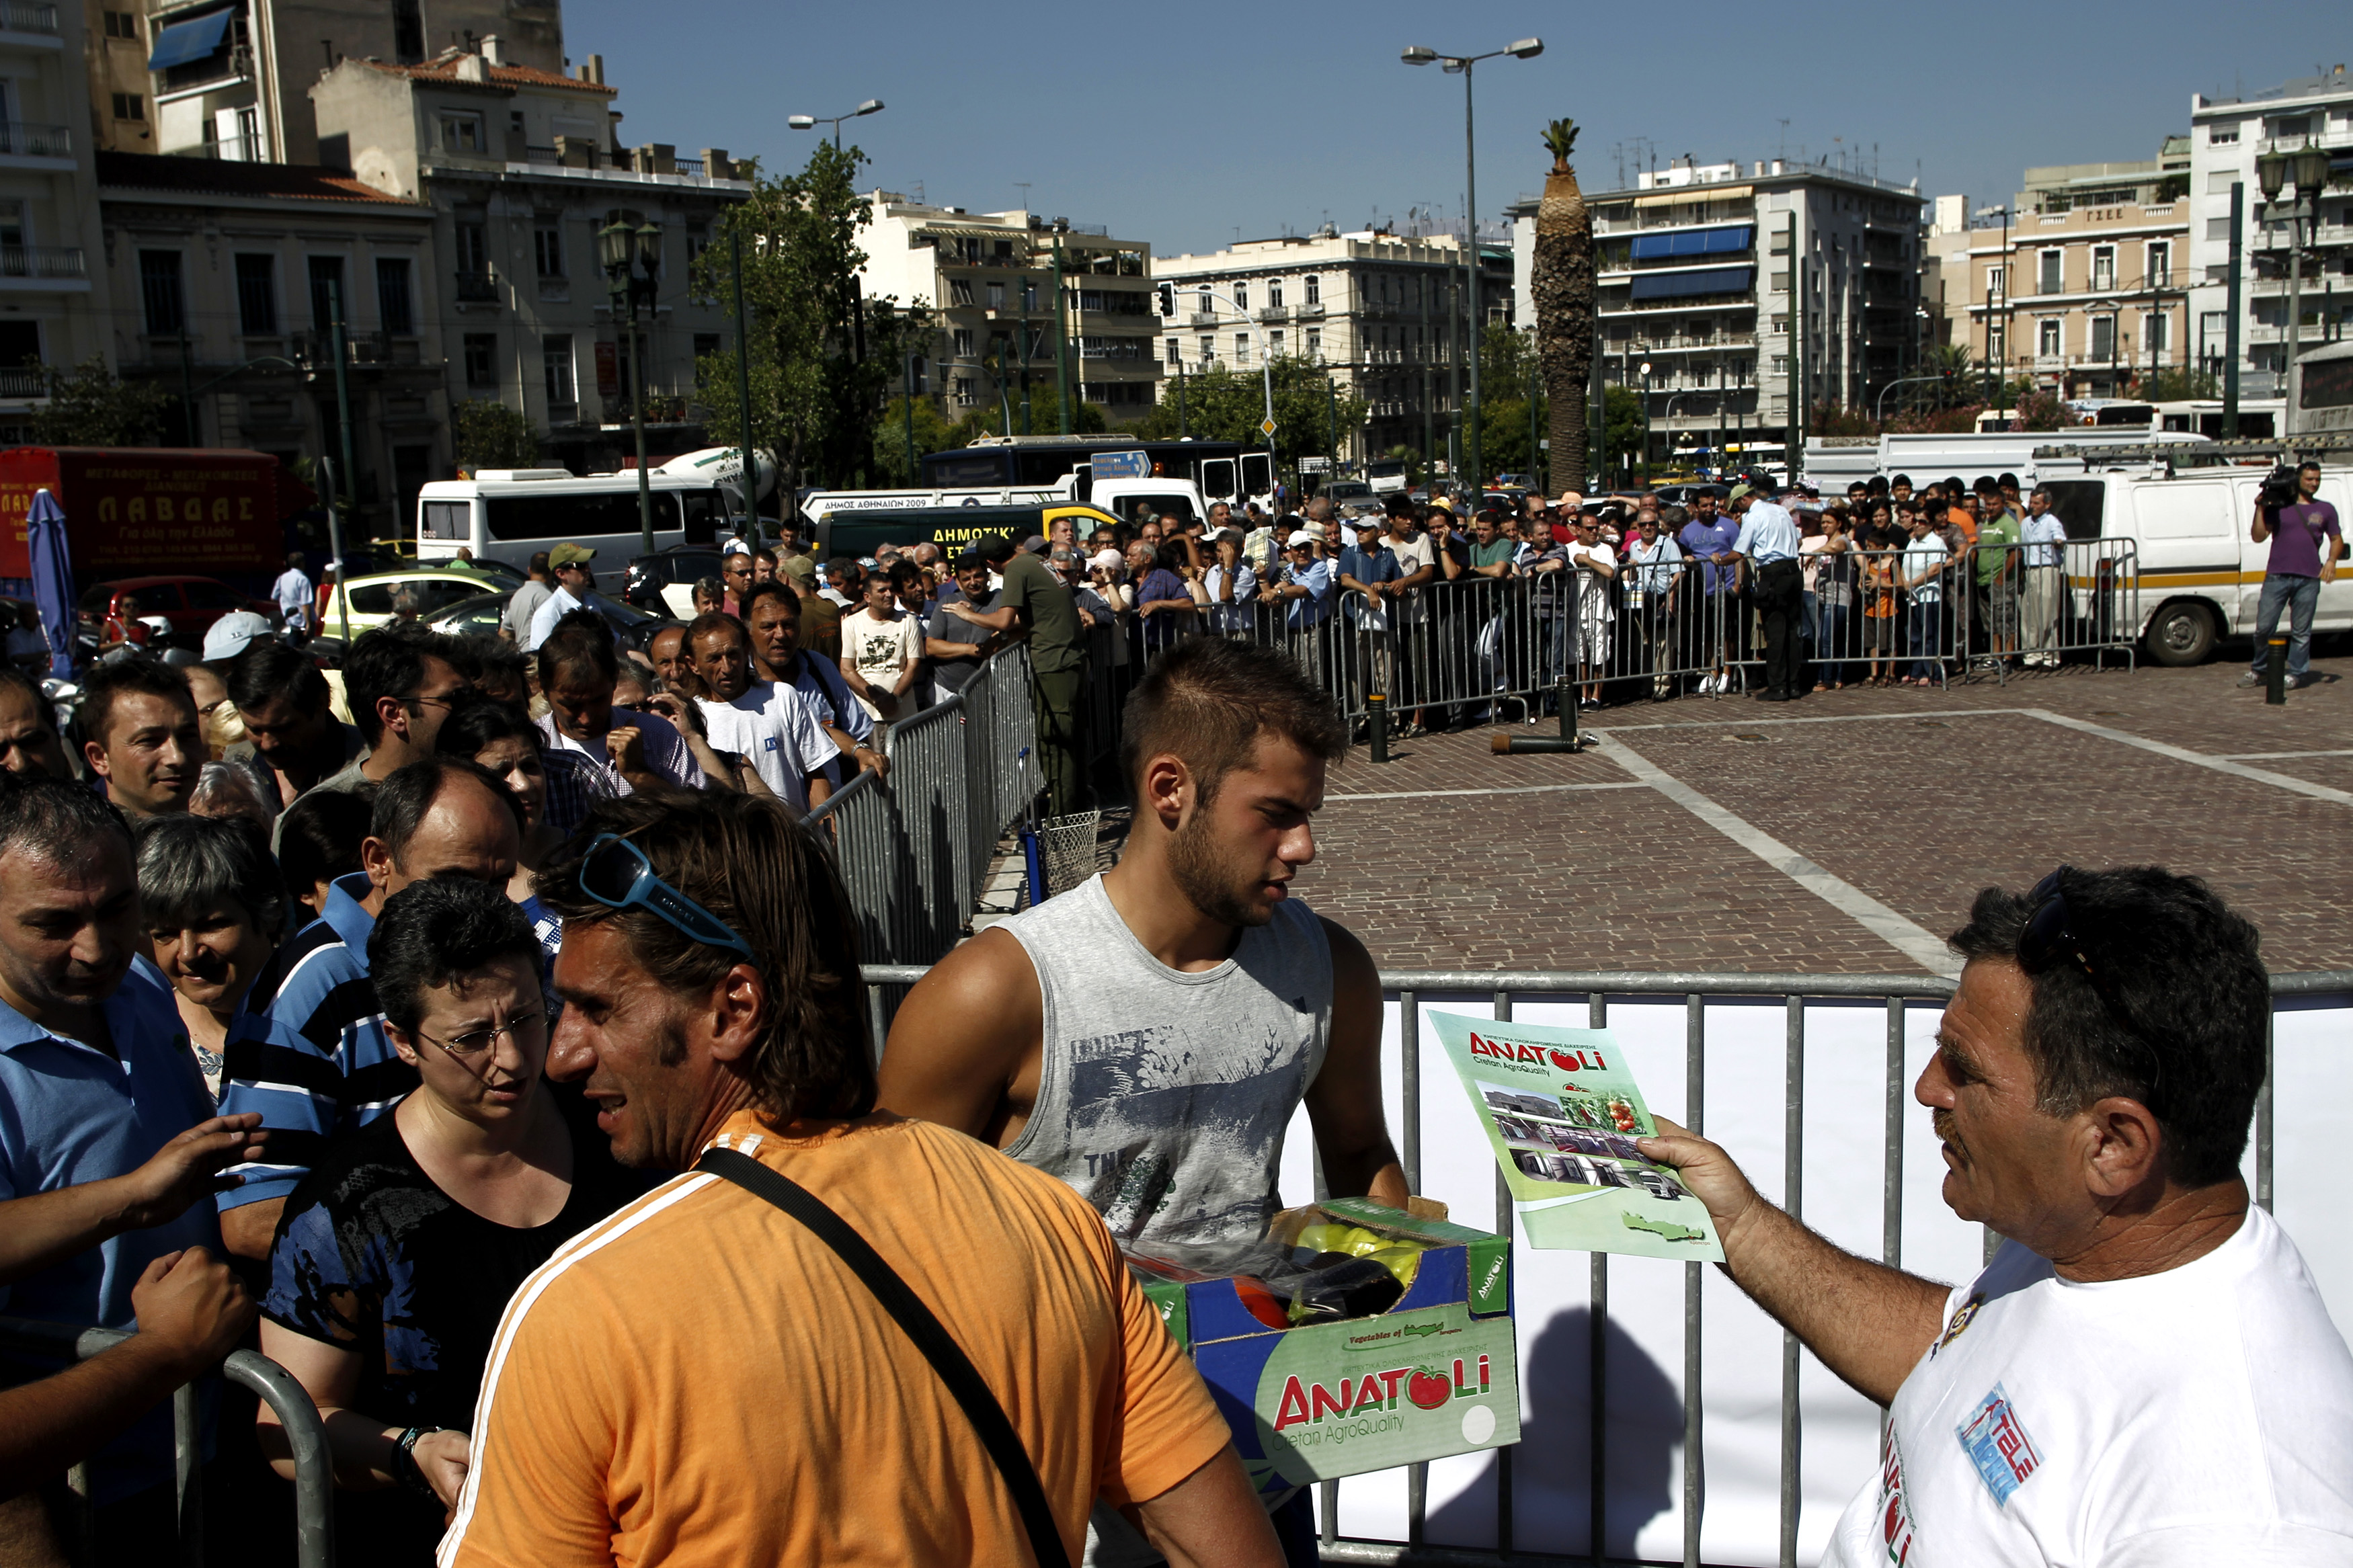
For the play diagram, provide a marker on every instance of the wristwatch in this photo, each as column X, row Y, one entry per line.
column 404, row 1460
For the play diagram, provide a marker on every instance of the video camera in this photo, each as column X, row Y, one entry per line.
column 2279, row 487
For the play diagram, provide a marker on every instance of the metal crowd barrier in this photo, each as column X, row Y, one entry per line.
column 914, row 847
column 314, row 1480
column 1410, row 990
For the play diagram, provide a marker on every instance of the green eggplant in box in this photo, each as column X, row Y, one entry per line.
column 1311, row 1394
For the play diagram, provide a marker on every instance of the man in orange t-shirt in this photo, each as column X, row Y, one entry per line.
column 699, row 1380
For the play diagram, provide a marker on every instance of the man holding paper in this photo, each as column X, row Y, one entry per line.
column 2145, row 1374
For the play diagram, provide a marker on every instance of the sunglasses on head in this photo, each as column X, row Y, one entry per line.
column 618, row 874
column 2049, row 940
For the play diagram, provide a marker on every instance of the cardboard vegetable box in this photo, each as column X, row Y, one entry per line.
column 1438, row 1373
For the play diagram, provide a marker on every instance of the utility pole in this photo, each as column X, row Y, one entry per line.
column 744, row 400
column 344, row 399
column 1793, row 438
column 1598, row 436
column 1331, row 430
column 1061, row 362
column 915, row 476
column 1184, row 429
column 2230, row 324
column 1470, row 240
column 188, row 429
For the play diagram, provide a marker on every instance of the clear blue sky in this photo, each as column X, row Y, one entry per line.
column 1182, row 124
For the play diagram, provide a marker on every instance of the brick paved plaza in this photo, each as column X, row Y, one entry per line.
column 1889, row 810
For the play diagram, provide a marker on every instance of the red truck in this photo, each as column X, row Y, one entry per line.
column 143, row 510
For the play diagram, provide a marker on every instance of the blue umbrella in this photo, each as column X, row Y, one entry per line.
column 45, row 535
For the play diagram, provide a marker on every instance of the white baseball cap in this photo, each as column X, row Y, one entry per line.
column 1302, row 537
column 233, row 633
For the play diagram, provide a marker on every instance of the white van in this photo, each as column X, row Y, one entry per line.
column 2200, row 577
column 511, row 514
column 1132, row 500
column 1834, row 462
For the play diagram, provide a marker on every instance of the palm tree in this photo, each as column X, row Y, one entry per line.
column 1561, row 279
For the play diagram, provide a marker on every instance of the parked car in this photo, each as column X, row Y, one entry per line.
column 663, row 584
column 1684, row 494
column 1350, row 493
column 483, row 614
column 370, row 598
column 190, row 604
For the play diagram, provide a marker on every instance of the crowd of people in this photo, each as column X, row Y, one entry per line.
column 486, row 1045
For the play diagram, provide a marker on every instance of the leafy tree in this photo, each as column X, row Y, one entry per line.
column 2182, row 384
column 1223, row 405
column 933, row 434
column 2040, row 410
column 1622, row 409
column 489, row 435
column 822, row 359
column 89, row 407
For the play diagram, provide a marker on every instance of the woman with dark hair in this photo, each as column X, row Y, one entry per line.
column 501, row 737
column 215, row 908
column 396, row 1255
column 1162, row 602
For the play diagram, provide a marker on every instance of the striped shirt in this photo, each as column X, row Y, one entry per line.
column 308, row 1049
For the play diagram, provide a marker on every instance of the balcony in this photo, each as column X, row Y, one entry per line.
column 1204, row 319
column 478, row 287
column 59, row 263
column 23, row 141
column 17, row 16
column 1273, row 313
column 24, row 381
column 1311, row 312
column 359, row 349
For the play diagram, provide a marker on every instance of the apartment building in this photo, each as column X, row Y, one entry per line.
column 1382, row 313
column 1697, row 286
column 2081, row 283
column 51, row 313
column 521, row 168
column 231, row 78
column 989, row 278
column 2227, row 136
column 228, row 277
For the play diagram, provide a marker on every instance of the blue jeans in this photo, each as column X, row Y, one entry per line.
column 1924, row 638
column 1832, row 647
column 2301, row 596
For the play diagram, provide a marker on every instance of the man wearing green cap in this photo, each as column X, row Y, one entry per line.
column 575, row 589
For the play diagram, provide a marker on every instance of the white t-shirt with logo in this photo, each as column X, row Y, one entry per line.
column 2196, row 1417
column 778, row 728
column 879, row 650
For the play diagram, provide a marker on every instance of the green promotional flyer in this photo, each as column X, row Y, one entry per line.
column 1562, row 1113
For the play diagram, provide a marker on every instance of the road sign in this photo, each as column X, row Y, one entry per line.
column 1266, row 426
column 1121, row 465
column 1315, row 465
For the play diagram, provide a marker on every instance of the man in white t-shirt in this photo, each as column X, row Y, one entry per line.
column 775, row 726
column 294, row 593
column 2145, row 1376
column 882, row 649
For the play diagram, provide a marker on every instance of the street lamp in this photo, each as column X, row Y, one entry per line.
column 2306, row 171
column 1992, row 396
column 812, row 121
column 1646, row 422
column 631, row 256
column 1417, row 54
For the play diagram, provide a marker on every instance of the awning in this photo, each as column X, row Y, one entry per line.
column 183, row 42
column 1679, row 195
column 1695, row 280
column 1692, row 242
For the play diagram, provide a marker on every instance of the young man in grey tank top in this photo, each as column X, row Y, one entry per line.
column 1148, row 1036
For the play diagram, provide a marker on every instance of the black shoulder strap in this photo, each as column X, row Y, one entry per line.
column 955, row 1369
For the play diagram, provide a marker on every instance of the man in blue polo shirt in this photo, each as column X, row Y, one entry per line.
column 308, row 1049
column 1717, row 614
column 109, row 1145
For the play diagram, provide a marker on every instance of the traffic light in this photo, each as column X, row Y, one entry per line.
column 1168, row 299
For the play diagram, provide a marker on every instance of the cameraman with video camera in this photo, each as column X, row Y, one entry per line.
column 2290, row 514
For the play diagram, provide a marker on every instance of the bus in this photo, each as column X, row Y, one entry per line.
column 1222, row 470
column 511, row 514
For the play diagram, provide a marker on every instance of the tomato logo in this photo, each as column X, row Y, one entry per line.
column 1565, row 1062
column 1428, row 1389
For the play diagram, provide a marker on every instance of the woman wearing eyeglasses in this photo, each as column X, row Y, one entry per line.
column 396, row 1255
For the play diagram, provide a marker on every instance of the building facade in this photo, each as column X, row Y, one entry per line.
column 227, row 279
column 520, row 168
column 52, row 312
column 1697, row 285
column 231, row 78
column 2226, row 137
column 2081, row 283
column 1381, row 313
column 988, row 279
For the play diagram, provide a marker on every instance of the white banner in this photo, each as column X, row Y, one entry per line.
column 1844, row 1148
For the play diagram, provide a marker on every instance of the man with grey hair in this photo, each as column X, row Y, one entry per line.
column 2044, row 539
column 110, row 1151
